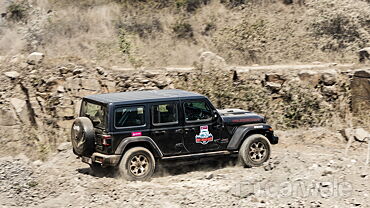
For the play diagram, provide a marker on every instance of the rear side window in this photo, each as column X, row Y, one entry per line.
column 129, row 116
column 164, row 114
column 197, row 111
column 95, row 112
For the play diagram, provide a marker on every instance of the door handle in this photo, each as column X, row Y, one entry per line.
column 179, row 131
column 187, row 130
column 159, row 132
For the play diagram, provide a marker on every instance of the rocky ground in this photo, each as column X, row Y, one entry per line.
column 307, row 169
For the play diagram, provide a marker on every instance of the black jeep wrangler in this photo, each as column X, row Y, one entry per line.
column 131, row 131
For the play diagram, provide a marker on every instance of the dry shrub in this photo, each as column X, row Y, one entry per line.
column 338, row 26
column 17, row 10
column 295, row 105
column 244, row 38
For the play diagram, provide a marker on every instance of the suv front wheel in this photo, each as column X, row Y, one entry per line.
column 137, row 164
column 255, row 150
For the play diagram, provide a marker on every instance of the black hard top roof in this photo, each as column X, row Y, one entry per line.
column 143, row 96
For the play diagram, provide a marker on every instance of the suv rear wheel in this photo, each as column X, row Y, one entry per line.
column 137, row 164
column 255, row 150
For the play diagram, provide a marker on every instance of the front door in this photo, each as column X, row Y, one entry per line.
column 166, row 130
column 200, row 127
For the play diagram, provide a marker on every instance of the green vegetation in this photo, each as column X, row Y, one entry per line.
column 17, row 11
column 128, row 50
column 190, row 5
column 294, row 106
column 245, row 38
column 183, row 30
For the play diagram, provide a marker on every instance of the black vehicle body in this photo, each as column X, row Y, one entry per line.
column 222, row 133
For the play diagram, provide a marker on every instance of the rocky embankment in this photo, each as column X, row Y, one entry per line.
column 39, row 100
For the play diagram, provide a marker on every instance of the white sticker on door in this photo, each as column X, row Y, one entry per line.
column 204, row 136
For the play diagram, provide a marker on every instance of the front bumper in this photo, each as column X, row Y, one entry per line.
column 104, row 160
column 274, row 139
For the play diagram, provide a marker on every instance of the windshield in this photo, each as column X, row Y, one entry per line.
column 96, row 113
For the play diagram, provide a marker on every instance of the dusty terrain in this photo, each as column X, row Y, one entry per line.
column 53, row 53
column 306, row 170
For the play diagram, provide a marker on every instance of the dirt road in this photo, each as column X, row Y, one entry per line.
column 306, row 170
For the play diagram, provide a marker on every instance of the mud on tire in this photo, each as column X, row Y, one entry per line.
column 254, row 151
column 137, row 164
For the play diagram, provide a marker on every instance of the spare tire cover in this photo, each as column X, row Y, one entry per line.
column 83, row 136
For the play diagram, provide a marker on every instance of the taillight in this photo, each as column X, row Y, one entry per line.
column 107, row 140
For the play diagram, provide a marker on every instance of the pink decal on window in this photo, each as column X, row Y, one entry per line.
column 136, row 134
column 203, row 128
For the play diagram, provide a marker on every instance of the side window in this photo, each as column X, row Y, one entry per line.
column 95, row 112
column 165, row 114
column 129, row 116
column 197, row 111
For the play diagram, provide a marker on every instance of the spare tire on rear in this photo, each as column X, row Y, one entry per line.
column 83, row 136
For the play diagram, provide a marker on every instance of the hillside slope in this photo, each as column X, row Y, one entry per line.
column 162, row 33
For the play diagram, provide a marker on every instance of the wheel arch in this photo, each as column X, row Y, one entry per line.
column 244, row 131
column 141, row 141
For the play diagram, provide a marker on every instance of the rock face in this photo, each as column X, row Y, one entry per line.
column 360, row 88
column 329, row 77
column 12, row 74
column 210, row 61
column 35, row 58
column 20, row 107
column 7, row 118
column 311, row 78
column 364, row 54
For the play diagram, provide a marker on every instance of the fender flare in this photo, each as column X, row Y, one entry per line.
column 129, row 140
column 240, row 133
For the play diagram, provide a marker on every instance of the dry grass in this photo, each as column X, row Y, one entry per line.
column 244, row 32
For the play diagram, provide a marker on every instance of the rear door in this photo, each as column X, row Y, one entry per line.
column 200, row 127
column 166, row 129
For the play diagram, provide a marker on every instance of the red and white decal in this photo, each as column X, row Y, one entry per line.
column 136, row 134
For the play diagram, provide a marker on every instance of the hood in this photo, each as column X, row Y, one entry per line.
column 237, row 117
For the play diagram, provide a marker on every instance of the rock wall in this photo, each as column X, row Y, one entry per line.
column 39, row 100
column 360, row 86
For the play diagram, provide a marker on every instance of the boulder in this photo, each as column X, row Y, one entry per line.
column 7, row 118
column 329, row 77
column 360, row 91
column 364, row 54
column 273, row 86
column 275, row 77
column 66, row 112
column 359, row 134
column 12, row 74
column 100, row 70
column 311, row 78
column 78, row 71
column 60, row 89
column 91, row 84
column 209, row 61
column 20, row 107
column 72, row 84
column 35, row 58
column 64, row 70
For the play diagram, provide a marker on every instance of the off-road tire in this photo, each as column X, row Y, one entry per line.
column 254, row 151
column 143, row 170
column 83, row 136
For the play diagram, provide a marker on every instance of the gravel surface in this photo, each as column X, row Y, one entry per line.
column 305, row 170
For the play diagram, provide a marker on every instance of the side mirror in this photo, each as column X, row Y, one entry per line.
column 215, row 114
